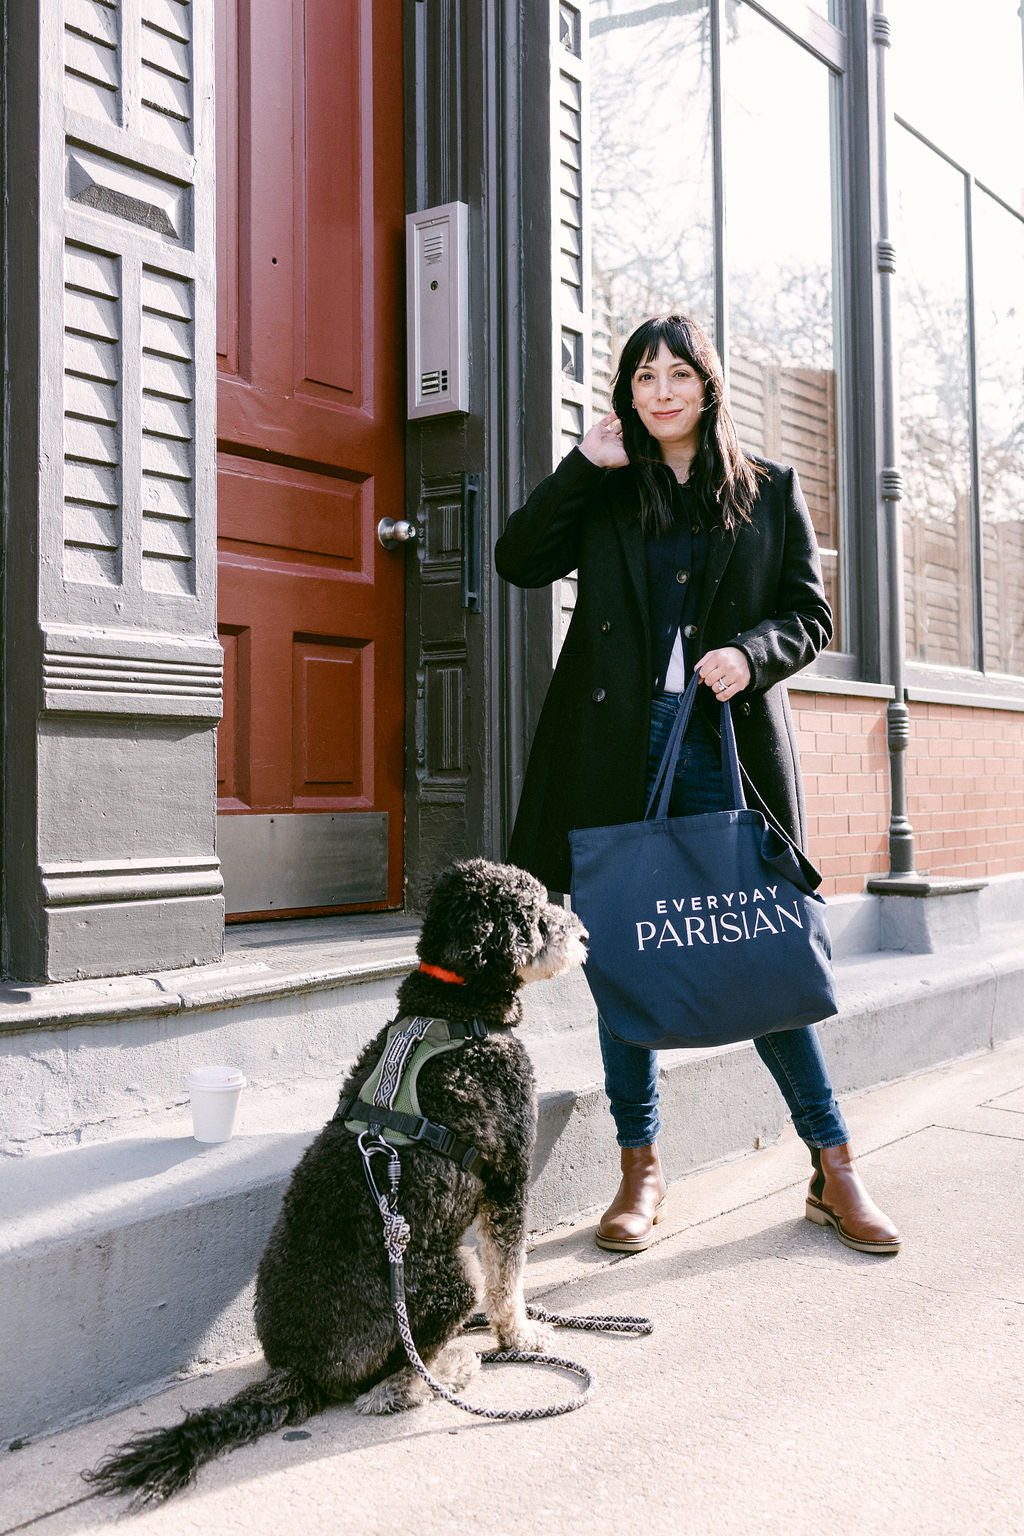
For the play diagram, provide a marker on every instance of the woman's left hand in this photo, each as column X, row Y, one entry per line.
column 726, row 671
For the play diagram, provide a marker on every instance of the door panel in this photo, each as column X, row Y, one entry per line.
column 333, row 181
column 333, row 735
column 311, row 422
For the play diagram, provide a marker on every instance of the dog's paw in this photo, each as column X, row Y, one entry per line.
column 379, row 1399
column 456, row 1365
column 394, row 1395
column 531, row 1338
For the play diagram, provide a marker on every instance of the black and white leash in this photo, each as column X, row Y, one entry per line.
column 396, row 1238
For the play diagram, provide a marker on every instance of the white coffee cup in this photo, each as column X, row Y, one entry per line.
column 214, row 1092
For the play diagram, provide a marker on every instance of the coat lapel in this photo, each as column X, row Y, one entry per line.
column 720, row 549
column 627, row 526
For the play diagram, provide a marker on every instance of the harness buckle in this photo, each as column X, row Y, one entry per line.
column 436, row 1136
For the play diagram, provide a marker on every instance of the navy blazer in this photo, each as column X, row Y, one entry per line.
column 762, row 591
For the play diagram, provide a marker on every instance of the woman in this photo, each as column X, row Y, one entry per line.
column 691, row 556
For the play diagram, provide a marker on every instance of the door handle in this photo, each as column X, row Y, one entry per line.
column 471, row 542
column 392, row 534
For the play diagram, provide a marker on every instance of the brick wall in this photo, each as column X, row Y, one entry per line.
column 965, row 787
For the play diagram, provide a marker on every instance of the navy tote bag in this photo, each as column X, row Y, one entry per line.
column 703, row 929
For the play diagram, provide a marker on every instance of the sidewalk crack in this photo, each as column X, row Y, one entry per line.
column 965, row 1130
column 903, row 1282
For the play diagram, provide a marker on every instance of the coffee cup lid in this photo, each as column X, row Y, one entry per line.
column 216, row 1078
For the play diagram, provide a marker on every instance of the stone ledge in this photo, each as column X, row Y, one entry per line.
column 261, row 960
column 922, row 885
column 924, row 914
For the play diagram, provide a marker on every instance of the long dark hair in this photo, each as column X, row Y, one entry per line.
column 723, row 479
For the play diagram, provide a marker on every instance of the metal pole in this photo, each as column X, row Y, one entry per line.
column 890, row 485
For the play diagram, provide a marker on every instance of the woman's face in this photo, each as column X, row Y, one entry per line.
column 669, row 395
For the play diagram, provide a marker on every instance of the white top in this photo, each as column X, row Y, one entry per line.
column 675, row 676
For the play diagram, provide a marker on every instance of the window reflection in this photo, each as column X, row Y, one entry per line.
column 999, row 330
column 779, row 266
column 957, row 73
column 934, row 404
column 650, row 170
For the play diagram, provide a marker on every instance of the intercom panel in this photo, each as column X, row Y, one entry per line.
column 437, row 277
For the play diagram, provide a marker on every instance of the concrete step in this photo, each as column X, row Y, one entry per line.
column 127, row 1257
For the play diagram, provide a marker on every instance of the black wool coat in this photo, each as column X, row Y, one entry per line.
column 762, row 592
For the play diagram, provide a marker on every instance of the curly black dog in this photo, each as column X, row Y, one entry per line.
column 323, row 1307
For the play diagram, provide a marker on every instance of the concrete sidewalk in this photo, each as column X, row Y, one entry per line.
column 791, row 1386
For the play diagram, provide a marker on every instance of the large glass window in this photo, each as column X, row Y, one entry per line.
column 779, row 264
column 653, row 219
column 934, row 404
column 650, row 171
column 957, row 86
column 999, row 324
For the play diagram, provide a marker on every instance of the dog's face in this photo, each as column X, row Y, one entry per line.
column 562, row 944
column 482, row 915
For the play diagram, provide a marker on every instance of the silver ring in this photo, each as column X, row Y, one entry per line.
column 721, row 684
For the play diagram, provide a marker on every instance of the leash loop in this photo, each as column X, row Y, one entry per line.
column 612, row 1323
column 396, row 1238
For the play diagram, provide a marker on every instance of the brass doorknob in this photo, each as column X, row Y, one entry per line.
column 392, row 534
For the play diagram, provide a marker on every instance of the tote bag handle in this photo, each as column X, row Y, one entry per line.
column 670, row 756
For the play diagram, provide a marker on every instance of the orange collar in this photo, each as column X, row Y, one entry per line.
column 440, row 973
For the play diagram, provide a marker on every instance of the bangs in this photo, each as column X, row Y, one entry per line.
column 675, row 333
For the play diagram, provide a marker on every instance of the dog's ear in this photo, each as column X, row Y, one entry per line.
column 458, row 920
column 477, row 911
column 468, row 941
column 516, row 936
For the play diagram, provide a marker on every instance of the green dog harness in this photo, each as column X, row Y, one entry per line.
column 388, row 1101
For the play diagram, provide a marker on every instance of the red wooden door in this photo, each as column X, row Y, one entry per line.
column 311, row 443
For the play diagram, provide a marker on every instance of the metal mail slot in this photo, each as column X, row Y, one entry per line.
column 287, row 862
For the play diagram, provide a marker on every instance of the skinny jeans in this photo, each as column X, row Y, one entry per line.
column 792, row 1056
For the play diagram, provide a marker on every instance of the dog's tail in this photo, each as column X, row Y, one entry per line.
column 153, row 1466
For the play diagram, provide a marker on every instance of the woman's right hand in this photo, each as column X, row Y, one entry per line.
column 603, row 443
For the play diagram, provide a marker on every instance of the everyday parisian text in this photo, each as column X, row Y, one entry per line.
column 726, row 917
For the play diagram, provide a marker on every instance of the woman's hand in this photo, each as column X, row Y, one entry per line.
column 726, row 671
column 603, row 443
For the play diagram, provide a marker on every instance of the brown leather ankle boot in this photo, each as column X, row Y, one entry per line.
column 627, row 1226
column 837, row 1198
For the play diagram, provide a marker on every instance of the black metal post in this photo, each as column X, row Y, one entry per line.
column 890, row 485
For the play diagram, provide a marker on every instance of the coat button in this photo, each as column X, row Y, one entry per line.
column 682, row 577
column 606, row 625
column 744, row 709
column 598, row 695
column 690, row 631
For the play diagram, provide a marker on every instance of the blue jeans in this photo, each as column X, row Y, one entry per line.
column 792, row 1056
